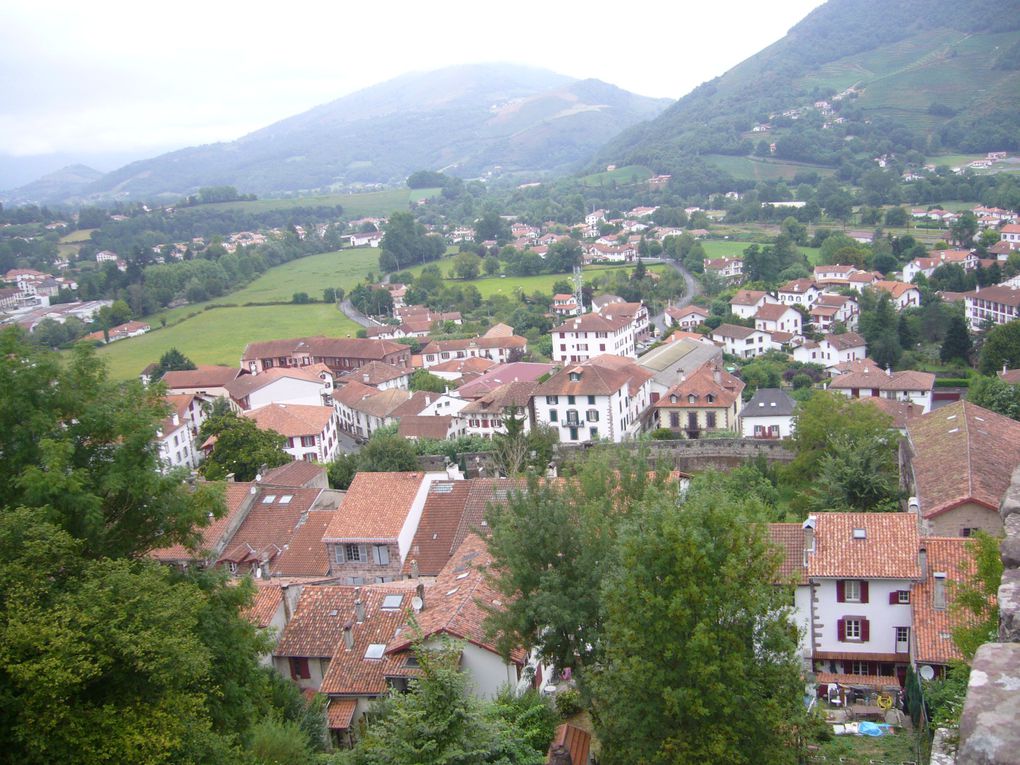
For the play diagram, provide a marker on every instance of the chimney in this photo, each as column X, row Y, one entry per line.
column 414, row 569
column 717, row 376
column 809, row 536
column 888, row 371
column 365, row 377
column 176, row 419
column 420, row 592
column 349, row 636
column 230, row 477
column 922, row 561
column 359, row 611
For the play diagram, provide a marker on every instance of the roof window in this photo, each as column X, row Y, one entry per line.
column 860, row 533
column 269, row 499
column 392, row 602
column 375, row 651
column 286, row 498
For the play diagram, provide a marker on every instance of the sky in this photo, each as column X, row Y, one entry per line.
column 119, row 78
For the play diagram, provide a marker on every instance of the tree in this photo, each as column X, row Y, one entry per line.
column 511, row 447
column 81, row 450
column 241, row 447
column 857, row 474
column 957, row 344
column 438, row 722
column 996, row 395
column 467, row 265
column 491, row 265
column 701, row 661
column 896, row 217
column 491, row 227
column 974, row 598
column 422, row 379
column 827, row 417
column 1001, row 348
column 387, row 452
column 173, row 361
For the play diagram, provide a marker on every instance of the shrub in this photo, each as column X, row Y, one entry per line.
column 568, row 702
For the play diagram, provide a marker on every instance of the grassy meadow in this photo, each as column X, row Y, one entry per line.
column 621, row 175
column 219, row 335
column 763, row 168
column 370, row 204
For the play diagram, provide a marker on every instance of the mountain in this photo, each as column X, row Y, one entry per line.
column 467, row 121
column 927, row 74
column 68, row 181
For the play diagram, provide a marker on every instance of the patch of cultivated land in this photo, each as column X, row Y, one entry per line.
column 763, row 169
column 372, row 204
column 621, row 175
column 218, row 335
column 311, row 274
column 495, row 285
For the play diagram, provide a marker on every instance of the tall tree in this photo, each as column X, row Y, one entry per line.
column 700, row 663
column 957, row 344
column 173, row 361
column 81, row 449
column 996, row 395
column 241, row 447
column 1001, row 348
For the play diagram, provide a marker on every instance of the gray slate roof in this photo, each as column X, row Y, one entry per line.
column 769, row 402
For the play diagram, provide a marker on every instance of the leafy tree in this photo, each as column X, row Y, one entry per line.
column 467, row 265
column 896, row 217
column 422, row 379
column 241, row 447
column 700, row 661
column 491, row 265
column 387, row 452
column 300, row 298
column 996, row 395
column 341, row 470
column 80, row 449
column 824, row 420
column 278, row 742
column 173, row 361
column 957, row 344
column 491, row 227
column 974, row 599
column 858, row 475
column 438, row 722
column 1001, row 348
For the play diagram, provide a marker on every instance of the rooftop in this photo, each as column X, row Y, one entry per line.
column 933, row 627
column 865, row 546
column 375, row 508
column 292, row 420
column 769, row 402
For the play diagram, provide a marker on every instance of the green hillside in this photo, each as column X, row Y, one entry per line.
column 929, row 76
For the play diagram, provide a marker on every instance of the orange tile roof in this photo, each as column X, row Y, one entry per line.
column 340, row 712
column 456, row 602
column 306, row 554
column 269, row 527
column 470, row 364
column 872, row 681
column 376, row 373
column 592, row 322
column 316, row 627
column 896, row 289
column 789, row 538
column 933, row 628
column 375, row 507
column 434, row 427
column 292, row 420
column 236, row 498
column 889, row 550
column 245, row 385
column 297, row 474
column 773, row 311
column 962, row 453
column 483, row 343
column 747, row 297
column 434, row 539
column 264, row 605
column 512, row 394
column 204, row 376
column 600, row 376
column 701, row 384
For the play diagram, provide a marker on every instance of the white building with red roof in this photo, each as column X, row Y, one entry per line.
column 311, row 432
column 778, row 318
column 687, row 318
column 591, row 334
column 745, row 303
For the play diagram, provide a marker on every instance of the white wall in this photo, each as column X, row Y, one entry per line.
column 288, row 390
column 785, row 424
column 883, row 616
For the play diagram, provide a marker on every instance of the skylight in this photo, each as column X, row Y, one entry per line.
column 860, row 534
column 464, row 575
column 453, row 591
column 269, row 499
column 392, row 602
column 375, row 651
column 286, row 498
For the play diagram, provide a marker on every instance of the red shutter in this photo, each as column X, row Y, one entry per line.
column 840, row 592
column 865, row 631
column 894, row 598
column 864, row 592
column 841, row 629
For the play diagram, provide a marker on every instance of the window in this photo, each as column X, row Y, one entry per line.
column 299, row 669
column 554, row 416
column 573, row 434
column 381, row 555
column 902, row 597
column 571, row 400
column 851, row 591
column 902, row 636
column 308, row 440
column 354, row 552
column 858, row 668
column 552, row 399
column 591, row 400
column 710, row 419
column 967, row 531
column 593, row 432
column 674, row 420
column 572, row 418
column 375, row 651
column 853, row 629
column 592, row 415
column 338, row 554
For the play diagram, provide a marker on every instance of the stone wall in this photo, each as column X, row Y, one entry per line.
column 990, row 723
column 691, row 456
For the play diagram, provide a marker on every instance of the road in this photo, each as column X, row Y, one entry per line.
column 356, row 316
column 692, row 290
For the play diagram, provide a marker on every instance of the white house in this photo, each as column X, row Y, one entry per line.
column 778, row 318
column 728, row 269
column 903, row 295
column 832, row 350
column 799, row 292
column 311, row 432
column 486, row 416
column 687, row 318
column 829, row 309
column 177, row 434
column 591, row 334
column 872, row 381
column 600, row 399
column 311, row 385
column 741, row 341
column 746, row 303
column 998, row 304
column 769, row 414
column 636, row 312
column 502, row 350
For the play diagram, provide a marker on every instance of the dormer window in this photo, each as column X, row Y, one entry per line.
column 575, row 376
column 691, row 398
column 710, row 398
column 673, row 399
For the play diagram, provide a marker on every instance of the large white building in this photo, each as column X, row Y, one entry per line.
column 600, row 399
column 998, row 304
column 584, row 337
column 311, row 432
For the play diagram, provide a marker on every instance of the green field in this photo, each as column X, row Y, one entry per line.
column 374, row 204
column 621, row 175
column 763, row 169
column 75, row 237
column 218, row 336
column 311, row 274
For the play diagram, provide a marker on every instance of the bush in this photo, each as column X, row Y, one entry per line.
column 301, row 298
column 662, row 434
column 568, row 702
column 802, row 380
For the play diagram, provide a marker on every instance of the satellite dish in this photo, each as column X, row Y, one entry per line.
column 927, row 672
column 258, row 477
column 254, row 491
column 416, row 603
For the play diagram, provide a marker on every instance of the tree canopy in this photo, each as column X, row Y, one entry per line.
column 241, row 447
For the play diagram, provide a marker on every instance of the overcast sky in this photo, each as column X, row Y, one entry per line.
column 112, row 76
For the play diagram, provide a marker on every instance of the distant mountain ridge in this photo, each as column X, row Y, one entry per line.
column 466, row 120
column 946, row 69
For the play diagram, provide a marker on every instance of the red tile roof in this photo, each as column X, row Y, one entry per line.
column 203, row 377
column 1011, row 376
column 773, row 311
column 701, row 384
column 600, row 376
column 504, row 373
column 433, row 542
column 323, row 347
column 734, row 331
column 483, row 343
column 376, row 372
column 237, row 498
column 513, row 394
column 888, row 550
column 376, row 506
column 340, row 712
column 592, row 322
column 267, row 600
column 292, row 420
column 933, row 628
column 297, row 474
column 747, row 297
column 962, row 453
column 434, row 427
column 789, row 538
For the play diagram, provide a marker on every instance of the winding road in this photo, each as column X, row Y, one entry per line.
column 693, row 289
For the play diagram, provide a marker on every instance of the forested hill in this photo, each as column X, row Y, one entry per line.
column 466, row 121
column 928, row 75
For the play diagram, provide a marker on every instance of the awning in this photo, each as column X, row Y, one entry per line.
column 340, row 712
column 874, row 681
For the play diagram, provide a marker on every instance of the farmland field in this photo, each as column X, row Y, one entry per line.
column 495, row 285
column 621, row 175
column 75, row 237
column 311, row 274
column 219, row 335
column 375, row 203
column 760, row 169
